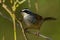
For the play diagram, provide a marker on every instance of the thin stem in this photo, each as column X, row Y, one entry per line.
column 20, row 2
column 3, row 37
column 15, row 2
column 13, row 18
column 3, row 1
column 11, row 1
column 29, row 3
column 22, row 29
column 40, row 35
column 37, row 6
column 0, row 1
column 14, row 25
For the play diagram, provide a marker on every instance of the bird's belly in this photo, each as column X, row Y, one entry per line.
column 31, row 25
column 27, row 22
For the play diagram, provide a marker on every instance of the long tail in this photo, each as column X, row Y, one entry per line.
column 49, row 18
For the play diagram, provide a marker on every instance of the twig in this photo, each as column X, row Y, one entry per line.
column 3, row 37
column 15, row 6
column 36, row 6
column 5, row 7
column 3, row 1
column 13, row 18
column 14, row 24
column 11, row 1
column 18, row 22
column 40, row 35
column 20, row 2
column 0, row 1
column 22, row 29
column 29, row 3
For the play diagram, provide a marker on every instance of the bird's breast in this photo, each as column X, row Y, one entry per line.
column 29, row 20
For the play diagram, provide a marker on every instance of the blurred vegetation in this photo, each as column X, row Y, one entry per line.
column 46, row 8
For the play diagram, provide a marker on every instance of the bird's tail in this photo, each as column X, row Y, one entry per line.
column 49, row 18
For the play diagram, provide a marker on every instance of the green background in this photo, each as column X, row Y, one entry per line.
column 47, row 8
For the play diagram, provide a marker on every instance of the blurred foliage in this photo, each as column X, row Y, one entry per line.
column 47, row 8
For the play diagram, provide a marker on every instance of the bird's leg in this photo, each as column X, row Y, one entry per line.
column 38, row 34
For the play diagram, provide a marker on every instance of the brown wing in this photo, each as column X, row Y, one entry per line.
column 38, row 17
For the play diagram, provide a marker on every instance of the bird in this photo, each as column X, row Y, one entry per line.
column 33, row 20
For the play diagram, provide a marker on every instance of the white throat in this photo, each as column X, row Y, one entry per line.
column 25, row 15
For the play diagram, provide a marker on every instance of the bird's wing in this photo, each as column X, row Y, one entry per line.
column 38, row 17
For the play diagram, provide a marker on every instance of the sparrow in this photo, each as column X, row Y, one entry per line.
column 33, row 20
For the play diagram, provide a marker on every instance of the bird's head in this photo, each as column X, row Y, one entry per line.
column 25, row 12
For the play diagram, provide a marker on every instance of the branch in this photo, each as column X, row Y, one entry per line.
column 37, row 6
column 18, row 22
column 29, row 3
column 0, row 1
column 22, row 29
column 11, row 1
column 3, row 38
column 5, row 7
column 20, row 2
column 15, row 6
column 13, row 18
column 3, row 1
column 39, row 35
